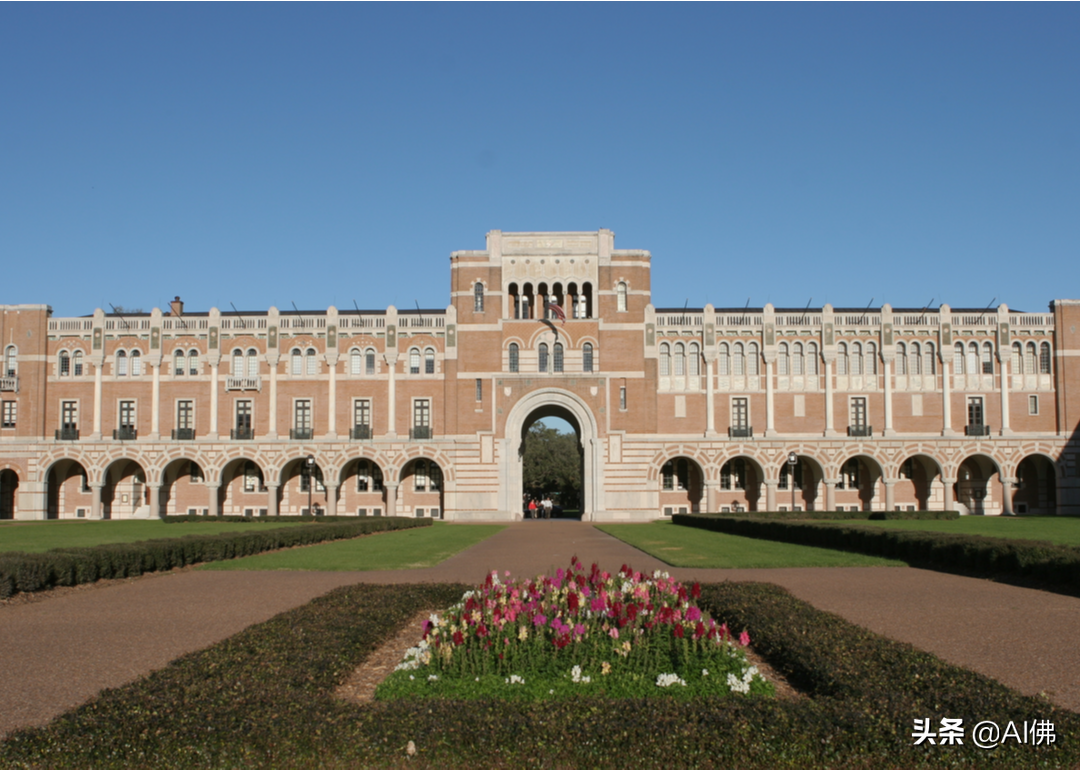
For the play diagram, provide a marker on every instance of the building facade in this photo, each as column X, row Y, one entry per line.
column 423, row 412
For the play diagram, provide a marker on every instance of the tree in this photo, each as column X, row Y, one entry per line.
column 552, row 465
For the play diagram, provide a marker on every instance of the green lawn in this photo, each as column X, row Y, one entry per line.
column 36, row 537
column 693, row 547
column 405, row 549
column 1063, row 530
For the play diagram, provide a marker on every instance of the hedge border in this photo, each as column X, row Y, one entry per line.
column 1047, row 565
column 263, row 698
column 842, row 515
column 28, row 572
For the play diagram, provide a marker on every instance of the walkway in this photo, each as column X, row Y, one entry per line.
column 60, row 652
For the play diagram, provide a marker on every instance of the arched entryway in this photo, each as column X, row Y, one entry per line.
column 739, row 486
column 9, row 486
column 859, row 486
column 302, row 490
column 803, row 483
column 919, row 486
column 124, row 494
column 551, row 402
column 243, row 490
column 977, row 490
column 682, row 486
column 183, row 488
column 421, row 489
column 1035, row 492
column 68, row 492
column 363, row 490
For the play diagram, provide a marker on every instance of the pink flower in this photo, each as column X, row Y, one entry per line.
column 614, row 633
column 579, row 629
column 744, row 639
column 693, row 614
column 539, row 620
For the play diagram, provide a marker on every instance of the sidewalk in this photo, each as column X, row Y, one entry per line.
column 60, row 652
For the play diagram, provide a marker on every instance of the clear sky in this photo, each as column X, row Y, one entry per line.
column 326, row 154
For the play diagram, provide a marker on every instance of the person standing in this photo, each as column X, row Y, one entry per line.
column 547, row 507
column 532, row 507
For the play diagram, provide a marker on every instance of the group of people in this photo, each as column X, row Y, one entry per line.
column 539, row 508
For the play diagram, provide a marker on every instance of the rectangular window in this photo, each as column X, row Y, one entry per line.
column 185, row 415
column 243, row 419
column 78, row 363
column 9, row 414
column 127, row 414
column 975, row 411
column 302, row 414
column 69, row 415
column 479, row 390
column 65, row 365
column 362, row 413
column 1033, row 404
column 558, row 357
column 369, row 363
column 421, row 419
column 622, row 398
column 858, row 412
column 740, row 413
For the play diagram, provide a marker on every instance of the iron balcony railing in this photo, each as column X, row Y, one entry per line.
column 420, row 432
column 744, row 432
column 125, row 433
column 976, row 430
column 183, row 434
column 301, row 434
column 860, row 431
column 67, row 434
column 241, row 434
column 360, row 432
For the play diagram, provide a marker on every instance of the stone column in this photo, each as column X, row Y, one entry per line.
column 946, row 397
column 830, row 494
column 331, row 498
column 95, row 501
column 212, row 492
column 155, row 408
column 890, row 493
column 710, row 497
column 271, row 500
column 98, row 367
column 770, row 412
column 214, row 401
column 770, row 495
column 391, row 498
column 1007, row 485
column 888, row 398
column 946, row 493
column 155, row 500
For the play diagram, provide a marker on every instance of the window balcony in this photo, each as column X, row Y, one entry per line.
column 360, row 432
column 241, row 434
column 243, row 383
column 125, row 433
column 860, row 431
column 976, row 430
column 420, row 432
column 744, row 432
column 67, row 434
column 9, row 384
column 301, row 434
column 183, row 434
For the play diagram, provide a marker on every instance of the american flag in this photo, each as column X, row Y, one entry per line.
column 557, row 311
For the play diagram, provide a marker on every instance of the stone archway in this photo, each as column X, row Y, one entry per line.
column 551, row 402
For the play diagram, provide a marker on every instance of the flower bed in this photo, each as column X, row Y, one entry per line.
column 618, row 636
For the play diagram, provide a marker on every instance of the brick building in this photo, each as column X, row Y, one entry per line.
column 423, row 412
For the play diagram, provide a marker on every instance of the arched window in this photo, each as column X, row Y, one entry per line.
column 514, row 352
column 1017, row 358
column 526, row 295
column 987, row 358
column 478, row 297
column 76, row 363
column 1044, row 358
column 237, row 362
column 958, row 358
column 252, row 362
column 558, row 351
column 797, row 358
column 586, row 300
column 369, row 362
column 901, row 358
column 1029, row 359
column 841, row 358
column 811, row 358
column 738, row 360
column 680, row 359
column 429, row 361
column 414, row 361
column 665, row 360
column 929, row 360
column 369, row 477
column 297, row 361
column 856, row 361
column 586, row 357
column 782, row 359
column 733, row 474
column 675, row 474
column 753, row 359
column 972, row 363
column 193, row 362
column 694, row 360
column 312, row 364
column 64, row 364
column 871, row 358
column 515, row 300
column 620, row 293
column 915, row 360
column 121, row 363
column 356, row 362
column 542, row 362
column 10, row 364
column 724, row 359
column 136, row 363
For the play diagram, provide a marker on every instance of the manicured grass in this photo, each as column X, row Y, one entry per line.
column 38, row 537
column 689, row 547
column 1062, row 530
column 408, row 549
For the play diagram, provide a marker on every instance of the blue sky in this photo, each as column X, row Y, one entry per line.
column 326, row 154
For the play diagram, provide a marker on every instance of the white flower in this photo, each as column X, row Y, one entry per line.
column 433, row 678
column 742, row 685
column 704, row 672
column 411, row 677
column 577, row 678
column 515, row 679
column 666, row 680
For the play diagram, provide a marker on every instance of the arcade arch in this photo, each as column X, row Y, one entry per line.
column 67, row 491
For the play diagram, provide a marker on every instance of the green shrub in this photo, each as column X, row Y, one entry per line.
column 71, row 566
column 838, row 515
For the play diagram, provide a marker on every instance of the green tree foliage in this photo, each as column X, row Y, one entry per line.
column 552, row 465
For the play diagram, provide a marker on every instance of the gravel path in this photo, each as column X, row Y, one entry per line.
column 58, row 653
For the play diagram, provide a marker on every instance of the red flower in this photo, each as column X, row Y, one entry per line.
column 695, row 591
column 678, row 631
column 459, row 639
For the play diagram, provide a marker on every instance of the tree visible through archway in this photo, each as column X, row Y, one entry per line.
column 552, row 465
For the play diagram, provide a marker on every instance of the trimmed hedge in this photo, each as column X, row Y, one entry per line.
column 839, row 515
column 28, row 572
column 263, row 698
column 1055, row 567
column 185, row 517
